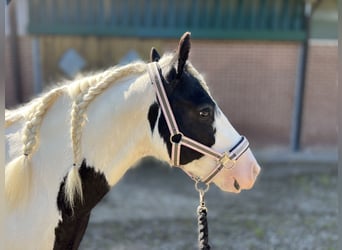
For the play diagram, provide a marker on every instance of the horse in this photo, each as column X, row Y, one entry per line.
column 69, row 146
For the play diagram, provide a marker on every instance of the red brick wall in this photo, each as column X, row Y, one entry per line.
column 320, row 105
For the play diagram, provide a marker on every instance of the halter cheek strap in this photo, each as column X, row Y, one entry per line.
column 178, row 139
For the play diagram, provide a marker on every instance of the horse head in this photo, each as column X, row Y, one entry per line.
column 201, row 121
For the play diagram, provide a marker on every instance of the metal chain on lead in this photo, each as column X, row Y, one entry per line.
column 202, row 218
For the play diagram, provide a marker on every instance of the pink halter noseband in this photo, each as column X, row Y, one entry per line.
column 178, row 139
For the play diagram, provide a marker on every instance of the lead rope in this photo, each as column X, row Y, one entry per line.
column 202, row 222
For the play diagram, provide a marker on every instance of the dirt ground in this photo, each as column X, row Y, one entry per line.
column 291, row 207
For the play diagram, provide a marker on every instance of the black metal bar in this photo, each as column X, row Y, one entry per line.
column 300, row 83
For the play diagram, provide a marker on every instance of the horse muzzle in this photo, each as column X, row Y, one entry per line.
column 242, row 176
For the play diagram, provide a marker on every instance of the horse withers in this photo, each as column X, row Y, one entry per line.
column 67, row 148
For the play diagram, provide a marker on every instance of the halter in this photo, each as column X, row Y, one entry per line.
column 178, row 139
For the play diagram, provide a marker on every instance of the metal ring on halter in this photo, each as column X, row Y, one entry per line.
column 231, row 166
column 200, row 189
column 180, row 134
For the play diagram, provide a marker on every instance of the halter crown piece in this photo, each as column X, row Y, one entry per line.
column 178, row 139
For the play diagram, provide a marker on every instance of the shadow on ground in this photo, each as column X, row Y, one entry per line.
column 291, row 207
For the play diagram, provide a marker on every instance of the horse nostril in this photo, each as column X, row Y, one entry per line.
column 236, row 185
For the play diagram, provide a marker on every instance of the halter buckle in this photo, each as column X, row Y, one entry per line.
column 225, row 159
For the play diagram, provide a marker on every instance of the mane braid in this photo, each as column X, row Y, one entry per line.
column 18, row 171
column 22, row 112
column 11, row 118
column 73, row 184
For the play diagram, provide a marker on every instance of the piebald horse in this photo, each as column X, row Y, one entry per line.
column 66, row 148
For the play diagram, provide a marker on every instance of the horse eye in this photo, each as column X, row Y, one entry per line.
column 204, row 113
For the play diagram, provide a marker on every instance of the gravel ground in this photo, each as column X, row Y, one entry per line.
column 291, row 207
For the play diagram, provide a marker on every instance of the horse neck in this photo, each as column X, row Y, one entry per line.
column 117, row 133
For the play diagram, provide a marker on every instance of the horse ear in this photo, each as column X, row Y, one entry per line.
column 154, row 55
column 183, row 52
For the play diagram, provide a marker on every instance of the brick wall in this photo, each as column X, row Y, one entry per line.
column 320, row 103
column 253, row 82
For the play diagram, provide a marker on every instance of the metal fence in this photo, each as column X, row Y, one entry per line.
column 214, row 19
